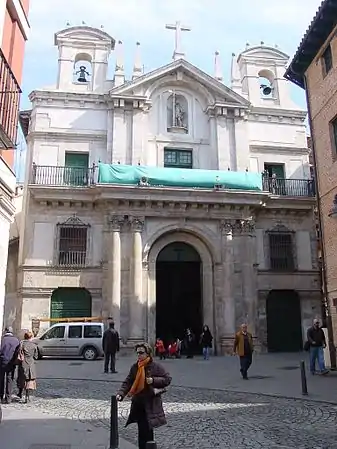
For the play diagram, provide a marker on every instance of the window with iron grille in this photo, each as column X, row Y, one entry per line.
column 178, row 158
column 72, row 242
column 281, row 251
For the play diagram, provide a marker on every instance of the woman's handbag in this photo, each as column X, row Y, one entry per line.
column 20, row 358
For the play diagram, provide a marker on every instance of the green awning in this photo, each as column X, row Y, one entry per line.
column 178, row 177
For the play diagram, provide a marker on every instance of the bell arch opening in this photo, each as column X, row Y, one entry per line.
column 179, row 298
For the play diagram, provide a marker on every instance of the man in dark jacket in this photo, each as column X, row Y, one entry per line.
column 110, row 347
column 8, row 353
column 316, row 339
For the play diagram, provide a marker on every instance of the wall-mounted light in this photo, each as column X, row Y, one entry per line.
column 333, row 211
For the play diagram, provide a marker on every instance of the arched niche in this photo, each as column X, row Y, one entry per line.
column 82, row 68
column 177, row 112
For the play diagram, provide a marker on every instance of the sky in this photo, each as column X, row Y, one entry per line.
column 216, row 25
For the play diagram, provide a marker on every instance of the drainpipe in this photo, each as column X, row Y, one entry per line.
column 332, row 349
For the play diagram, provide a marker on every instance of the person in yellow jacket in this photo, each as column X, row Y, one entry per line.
column 243, row 347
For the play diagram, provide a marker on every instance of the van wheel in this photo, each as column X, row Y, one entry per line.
column 90, row 353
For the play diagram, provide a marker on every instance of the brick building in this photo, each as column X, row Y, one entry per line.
column 314, row 68
column 14, row 29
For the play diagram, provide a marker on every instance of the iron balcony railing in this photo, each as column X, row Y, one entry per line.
column 83, row 177
column 9, row 104
column 289, row 187
column 63, row 176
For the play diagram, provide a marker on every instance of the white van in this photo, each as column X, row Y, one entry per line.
column 72, row 340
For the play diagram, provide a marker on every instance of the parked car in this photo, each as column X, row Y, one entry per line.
column 72, row 340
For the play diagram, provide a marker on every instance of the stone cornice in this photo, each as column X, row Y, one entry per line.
column 150, row 202
column 263, row 148
column 66, row 136
column 276, row 112
column 89, row 97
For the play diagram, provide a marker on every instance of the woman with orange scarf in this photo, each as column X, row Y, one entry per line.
column 146, row 382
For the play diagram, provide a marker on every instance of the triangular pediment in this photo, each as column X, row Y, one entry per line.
column 85, row 34
column 219, row 91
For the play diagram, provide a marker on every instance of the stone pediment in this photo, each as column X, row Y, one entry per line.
column 264, row 52
column 180, row 72
column 84, row 34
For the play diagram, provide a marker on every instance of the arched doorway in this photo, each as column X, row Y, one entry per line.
column 68, row 302
column 284, row 327
column 178, row 291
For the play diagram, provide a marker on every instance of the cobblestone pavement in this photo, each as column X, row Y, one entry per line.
column 201, row 418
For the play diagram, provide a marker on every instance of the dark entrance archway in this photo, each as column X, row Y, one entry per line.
column 67, row 302
column 178, row 291
column 284, row 324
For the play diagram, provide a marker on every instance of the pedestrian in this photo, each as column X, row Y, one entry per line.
column 243, row 346
column 206, row 340
column 8, row 354
column 189, row 343
column 161, row 350
column 317, row 342
column 110, row 347
column 28, row 353
column 145, row 384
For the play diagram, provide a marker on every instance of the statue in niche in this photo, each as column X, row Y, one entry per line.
column 179, row 115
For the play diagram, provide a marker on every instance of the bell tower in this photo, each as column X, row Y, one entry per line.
column 261, row 69
column 83, row 58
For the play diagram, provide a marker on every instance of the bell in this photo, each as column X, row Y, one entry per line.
column 81, row 78
column 266, row 90
column 82, row 72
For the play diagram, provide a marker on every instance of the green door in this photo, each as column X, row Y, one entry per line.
column 277, row 170
column 76, row 169
column 70, row 303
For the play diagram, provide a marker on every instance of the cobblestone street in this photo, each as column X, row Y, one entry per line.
column 199, row 417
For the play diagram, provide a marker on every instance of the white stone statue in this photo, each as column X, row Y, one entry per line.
column 179, row 114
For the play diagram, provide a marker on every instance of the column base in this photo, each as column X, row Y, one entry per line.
column 226, row 345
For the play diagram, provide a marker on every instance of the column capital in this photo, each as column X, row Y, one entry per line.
column 137, row 224
column 226, row 226
column 244, row 227
column 237, row 226
column 115, row 222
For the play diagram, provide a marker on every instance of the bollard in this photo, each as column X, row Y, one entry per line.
column 113, row 424
column 303, row 379
column 151, row 445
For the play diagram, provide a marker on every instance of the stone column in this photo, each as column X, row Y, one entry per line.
column 112, row 287
column 136, row 306
column 227, row 320
column 245, row 230
column 116, row 270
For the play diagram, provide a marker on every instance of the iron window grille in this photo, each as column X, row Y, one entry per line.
column 281, row 250
column 72, row 243
column 178, row 158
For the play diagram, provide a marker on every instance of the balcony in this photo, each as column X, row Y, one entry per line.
column 9, row 105
column 63, row 176
column 60, row 176
column 289, row 187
